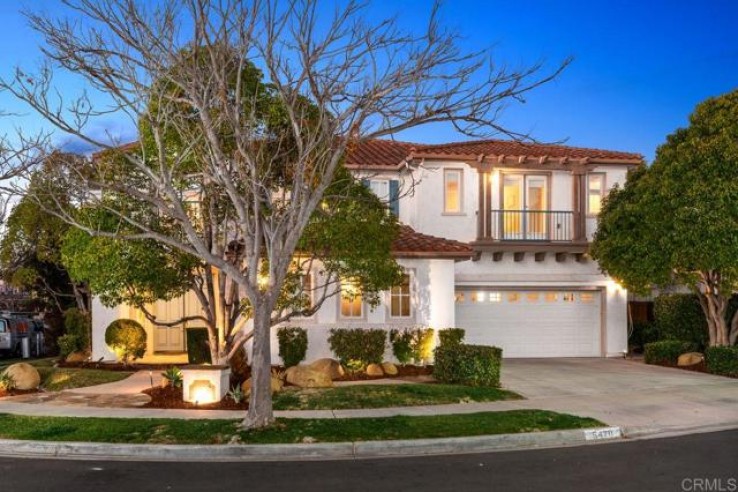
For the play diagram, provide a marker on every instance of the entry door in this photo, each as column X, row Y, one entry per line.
column 169, row 338
column 524, row 199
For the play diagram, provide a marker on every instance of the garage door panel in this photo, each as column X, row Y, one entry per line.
column 532, row 326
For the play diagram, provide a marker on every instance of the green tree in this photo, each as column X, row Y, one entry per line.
column 676, row 220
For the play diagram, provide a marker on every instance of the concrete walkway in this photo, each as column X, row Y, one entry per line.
column 623, row 393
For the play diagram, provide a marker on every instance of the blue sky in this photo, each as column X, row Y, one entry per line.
column 640, row 66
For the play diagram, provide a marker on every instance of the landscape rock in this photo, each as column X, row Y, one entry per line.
column 25, row 376
column 305, row 377
column 374, row 370
column 690, row 359
column 76, row 357
column 389, row 368
column 332, row 367
column 277, row 385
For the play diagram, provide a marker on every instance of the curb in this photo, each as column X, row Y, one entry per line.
column 305, row 452
column 655, row 432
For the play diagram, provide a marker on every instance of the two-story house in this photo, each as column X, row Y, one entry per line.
column 494, row 241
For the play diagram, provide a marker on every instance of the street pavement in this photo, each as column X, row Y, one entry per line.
column 692, row 463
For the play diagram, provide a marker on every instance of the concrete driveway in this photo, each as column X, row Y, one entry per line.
column 627, row 393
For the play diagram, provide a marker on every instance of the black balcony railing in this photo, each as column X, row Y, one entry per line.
column 532, row 225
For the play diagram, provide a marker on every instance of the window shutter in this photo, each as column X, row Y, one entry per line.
column 394, row 197
column 365, row 182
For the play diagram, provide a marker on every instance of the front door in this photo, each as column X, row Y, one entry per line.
column 524, row 202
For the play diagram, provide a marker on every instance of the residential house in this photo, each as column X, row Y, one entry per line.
column 494, row 240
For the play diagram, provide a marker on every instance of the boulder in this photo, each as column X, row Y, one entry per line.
column 25, row 376
column 76, row 357
column 389, row 368
column 332, row 367
column 690, row 359
column 277, row 385
column 374, row 370
column 305, row 377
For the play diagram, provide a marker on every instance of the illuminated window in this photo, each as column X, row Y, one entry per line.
column 476, row 297
column 551, row 296
column 586, row 297
column 495, row 297
column 452, row 191
column 459, row 297
column 568, row 297
column 595, row 193
column 400, row 299
column 513, row 297
column 352, row 303
column 533, row 296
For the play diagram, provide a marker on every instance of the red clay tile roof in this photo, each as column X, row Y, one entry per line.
column 412, row 244
column 390, row 153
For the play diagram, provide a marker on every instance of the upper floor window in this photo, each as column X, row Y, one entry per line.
column 400, row 299
column 388, row 191
column 452, row 191
column 352, row 302
column 595, row 192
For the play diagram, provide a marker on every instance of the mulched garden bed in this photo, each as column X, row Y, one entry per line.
column 17, row 392
column 168, row 397
column 402, row 372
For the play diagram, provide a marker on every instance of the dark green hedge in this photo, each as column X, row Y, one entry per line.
column 293, row 344
column 722, row 360
column 127, row 338
column 451, row 336
column 680, row 317
column 666, row 352
column 472, row 365
column 358, row 344
column 198, row 350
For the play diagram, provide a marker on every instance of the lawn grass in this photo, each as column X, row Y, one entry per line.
column 62, row 378
column 172, row 431
column 385, row 395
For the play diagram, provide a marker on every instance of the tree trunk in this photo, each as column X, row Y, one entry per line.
column 260, row 412
column 715, row 306
column 733, row 335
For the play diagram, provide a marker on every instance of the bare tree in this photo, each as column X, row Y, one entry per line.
column 335, row 78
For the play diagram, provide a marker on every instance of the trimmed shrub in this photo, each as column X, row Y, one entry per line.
column 127, row 339
column 472, row 365
column 680, row 317
column 412, row 344
column 293, row 344
column 401, row 341
column 666, row 352
column 198, row 350
column 722, row 361
column 451, row 336
column 358, row 344
column 67, row 344
column 643, row 332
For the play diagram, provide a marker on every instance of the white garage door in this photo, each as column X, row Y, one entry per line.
column 532, row 323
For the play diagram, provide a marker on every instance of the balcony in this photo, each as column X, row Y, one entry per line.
column 531, row 231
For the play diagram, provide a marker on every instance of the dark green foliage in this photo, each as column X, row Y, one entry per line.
column 412, row 344
column 666, row 352
column 680, row 317
column 473, row 365
column 722, row 360
column 198, row 350
column 451, row 336
column 77, row 324
column 358, row 344
column 173, row 375
column 401, row 349
column 643, row 332
column 293, row 344
column 127, row 339
column 67, row 344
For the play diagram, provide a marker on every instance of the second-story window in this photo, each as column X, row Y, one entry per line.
column 595, row 193
column 452, row 198
column 387, row 190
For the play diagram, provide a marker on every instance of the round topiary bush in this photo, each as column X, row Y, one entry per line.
column 127, row 339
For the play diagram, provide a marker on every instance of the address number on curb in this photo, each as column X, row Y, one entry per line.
column 602, row 434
